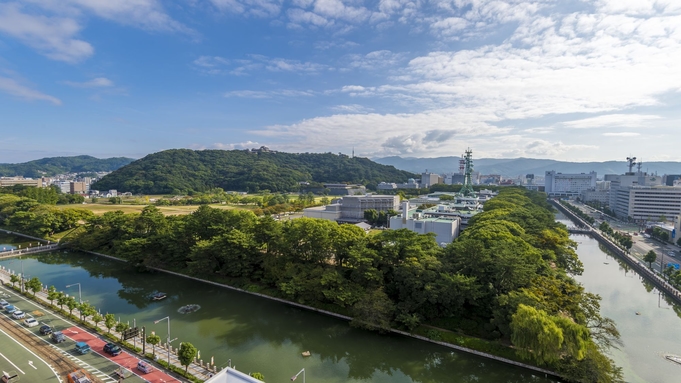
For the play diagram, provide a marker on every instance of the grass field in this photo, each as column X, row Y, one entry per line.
column 101, row 208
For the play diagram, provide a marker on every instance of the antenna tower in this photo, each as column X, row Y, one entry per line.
column 467, row 189
column 638, row 165
column 632, row 161
column 462, row 165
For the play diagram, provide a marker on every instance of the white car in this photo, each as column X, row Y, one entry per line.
column 3, row 303
column 30, row 322
column 18, row 314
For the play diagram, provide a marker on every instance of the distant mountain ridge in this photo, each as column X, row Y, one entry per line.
column 59, row 165
column 514, row 167
column 179, row 171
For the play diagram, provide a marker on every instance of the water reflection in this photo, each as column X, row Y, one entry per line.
column 262, row 335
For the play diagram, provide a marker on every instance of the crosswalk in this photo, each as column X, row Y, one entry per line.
column 92, row 370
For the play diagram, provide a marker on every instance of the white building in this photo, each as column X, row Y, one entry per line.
column 559, row 184
column 429, row 179
column 646, row 202
column 351, row 208
column 446, row 229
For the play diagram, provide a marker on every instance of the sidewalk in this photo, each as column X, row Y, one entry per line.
column 197, row 368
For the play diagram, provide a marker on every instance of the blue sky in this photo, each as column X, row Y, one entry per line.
column 575, row 80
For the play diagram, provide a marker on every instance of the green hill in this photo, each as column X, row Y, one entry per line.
column 180, row 171
column 60, row 165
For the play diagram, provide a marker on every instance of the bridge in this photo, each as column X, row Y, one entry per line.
column 579, row 230
column 29, row 250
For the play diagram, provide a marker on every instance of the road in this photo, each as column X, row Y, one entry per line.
column 62, row 356
column 641, row 244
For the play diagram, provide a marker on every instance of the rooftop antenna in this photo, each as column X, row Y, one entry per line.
column 638, row 165
column 632, row 161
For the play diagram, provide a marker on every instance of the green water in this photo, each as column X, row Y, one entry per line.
column 258, row 334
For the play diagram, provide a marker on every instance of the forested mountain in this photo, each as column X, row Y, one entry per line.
column 513, row 167
column 180, row 171
column 59, row 165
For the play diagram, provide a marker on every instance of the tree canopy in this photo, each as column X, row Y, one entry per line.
column 60, row 165
column 180, row 171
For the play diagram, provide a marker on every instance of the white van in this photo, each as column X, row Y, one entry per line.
column 144, row 367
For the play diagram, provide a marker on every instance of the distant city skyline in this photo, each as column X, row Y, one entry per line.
column 594, row 80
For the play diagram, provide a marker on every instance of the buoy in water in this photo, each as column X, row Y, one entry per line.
column 638, row 313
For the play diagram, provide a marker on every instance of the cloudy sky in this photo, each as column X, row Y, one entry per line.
column 573, row 80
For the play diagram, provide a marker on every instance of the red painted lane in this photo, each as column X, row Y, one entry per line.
column 124, row 359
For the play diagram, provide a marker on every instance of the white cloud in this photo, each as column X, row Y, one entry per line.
column 99, row 82
column 240, row 67
column 259, row 8
column 269, row 93
column 375, row 60
column 622, row 134
column 352, row 108
column 14, row 88
column 52, row 36
column 51, row 27
column 613, row 121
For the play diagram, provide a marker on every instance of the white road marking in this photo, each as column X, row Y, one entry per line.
column 30, row 363
column 10, row 362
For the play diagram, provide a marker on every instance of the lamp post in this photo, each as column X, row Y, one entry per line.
column 80, row 297
column 294, row 377
column 168, row 339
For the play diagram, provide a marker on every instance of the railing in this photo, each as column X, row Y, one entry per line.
column 28, row 250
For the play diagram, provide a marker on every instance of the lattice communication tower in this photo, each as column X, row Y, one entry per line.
column 467, row 189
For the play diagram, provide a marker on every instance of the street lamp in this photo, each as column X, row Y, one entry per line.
column 80, row 297
column 168, row 339
column 296, row 375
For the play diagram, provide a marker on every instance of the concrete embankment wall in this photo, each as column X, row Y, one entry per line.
column 345, row 317
column 635, row 264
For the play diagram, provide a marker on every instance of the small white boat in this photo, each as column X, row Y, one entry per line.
column 158, row 296
column 673, row 358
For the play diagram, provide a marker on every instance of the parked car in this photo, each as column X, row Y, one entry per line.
column 112, row 349
column 82, row 348
column 31, row 322
column 58, row 337
column 144, row 367
column 45, row 330
column 3, row 303
column 10, row 309
column 18, row 314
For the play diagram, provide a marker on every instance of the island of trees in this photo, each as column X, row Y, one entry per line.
column 507, row 279
column 182, row 171
column 61, row 165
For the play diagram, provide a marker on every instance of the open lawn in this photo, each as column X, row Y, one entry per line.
column 101, row 208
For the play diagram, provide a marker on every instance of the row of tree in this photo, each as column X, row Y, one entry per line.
column 507, row 277
column 624, row 239
column 89, row 313
column 578, row 212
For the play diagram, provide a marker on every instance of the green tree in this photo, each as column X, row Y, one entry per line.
column 71, row 303
column 14, row 279
column 52, row 294
column 373, row 311
column 109, row 321
column 186, row 354
column 86, row 310
column 120, row 327
column 153, row 340
column 96, row 318
column 34, row 285
column 535, row 335
column 650, row 257
column 61, row 299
